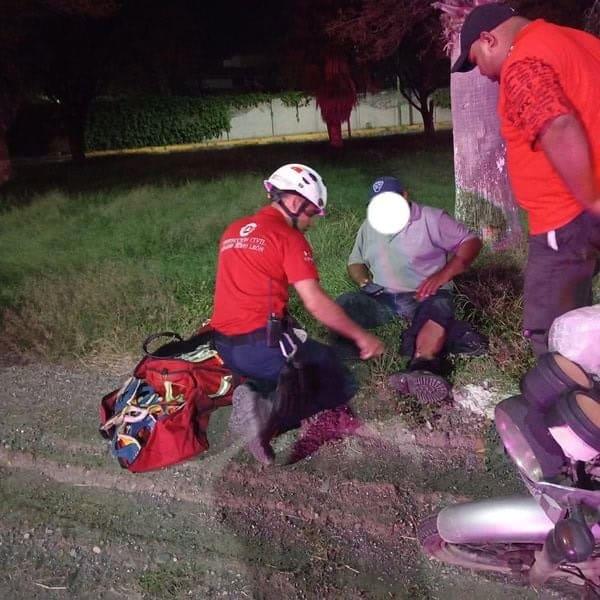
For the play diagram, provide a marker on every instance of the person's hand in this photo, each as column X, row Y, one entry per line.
column 369, row 345
column 431, row 285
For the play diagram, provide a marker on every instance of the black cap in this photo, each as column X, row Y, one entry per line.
column 482, row 18
column 386, row 184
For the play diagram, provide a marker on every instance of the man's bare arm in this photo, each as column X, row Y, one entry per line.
column 565, row 143
column 465, row 254
column 325, row 310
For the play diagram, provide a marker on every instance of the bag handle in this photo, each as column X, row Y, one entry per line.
column 155, row 336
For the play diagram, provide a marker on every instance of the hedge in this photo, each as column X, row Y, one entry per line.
column 167, row 120
column 134, row 122
column 153, row 121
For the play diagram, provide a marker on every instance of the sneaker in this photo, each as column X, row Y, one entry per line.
column 250, row 412
column 425, row 386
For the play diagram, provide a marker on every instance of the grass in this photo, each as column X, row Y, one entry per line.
column 167, row 582
column 93, row 258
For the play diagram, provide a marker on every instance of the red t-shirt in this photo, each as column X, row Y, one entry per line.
column 259, row 257
column 550, row 71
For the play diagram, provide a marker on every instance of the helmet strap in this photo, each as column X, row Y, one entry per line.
column 292, row 215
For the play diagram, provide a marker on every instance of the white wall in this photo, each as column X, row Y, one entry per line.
column 385, row 109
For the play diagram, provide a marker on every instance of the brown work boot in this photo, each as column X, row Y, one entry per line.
column 261, row 449
column 249, row 420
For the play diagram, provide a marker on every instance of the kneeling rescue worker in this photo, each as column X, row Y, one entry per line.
column 259, row 257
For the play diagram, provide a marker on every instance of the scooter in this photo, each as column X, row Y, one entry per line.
column 554, row 533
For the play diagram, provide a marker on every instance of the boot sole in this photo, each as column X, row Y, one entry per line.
column 424, row 386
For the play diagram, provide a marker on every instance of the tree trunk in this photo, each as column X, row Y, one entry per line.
column 76, row 139
column 426, row 110
column 334, row 131
column 484, row 199
column 75, row 120
column 9, row 104
column 5, row 163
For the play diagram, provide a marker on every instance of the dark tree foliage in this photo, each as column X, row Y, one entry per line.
column 422, row 67
column 24, row 9
column 565, row 12
column 57, row 48
column 592, row 18
column 170, row 47
column 157, row 48
column 74, row 53
column 400, row 38
column 321, row 65
column 71, row 51
column 375, row 28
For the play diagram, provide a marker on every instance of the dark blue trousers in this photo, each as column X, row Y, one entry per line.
column 330, row 383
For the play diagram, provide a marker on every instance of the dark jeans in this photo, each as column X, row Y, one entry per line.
column 332, row 385
column 373, row 311
column 557, row 281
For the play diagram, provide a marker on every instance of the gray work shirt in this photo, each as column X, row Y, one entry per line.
column 401, row 262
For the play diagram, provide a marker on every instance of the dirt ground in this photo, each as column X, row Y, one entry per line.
column 334, row 518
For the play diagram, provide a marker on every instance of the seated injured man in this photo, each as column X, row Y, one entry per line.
column 404, row 259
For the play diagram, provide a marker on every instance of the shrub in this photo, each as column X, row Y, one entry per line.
column 167, row 120
column 441, row 97
column 136, row 122
column 154, row 121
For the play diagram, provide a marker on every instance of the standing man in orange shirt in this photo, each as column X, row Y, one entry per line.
column 549, row 110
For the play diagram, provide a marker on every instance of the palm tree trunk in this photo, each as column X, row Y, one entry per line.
column 334, row 131
column 484, row 199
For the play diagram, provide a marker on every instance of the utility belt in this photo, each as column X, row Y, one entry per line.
column 258, row 335
column 284, row 333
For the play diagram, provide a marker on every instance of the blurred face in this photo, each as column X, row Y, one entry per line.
column 488, row 53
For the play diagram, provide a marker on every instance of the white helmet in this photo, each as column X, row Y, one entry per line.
column 301, row 180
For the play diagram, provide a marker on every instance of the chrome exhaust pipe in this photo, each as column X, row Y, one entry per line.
column 517, row 519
